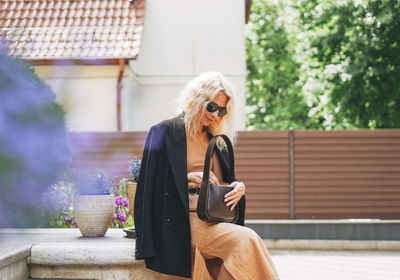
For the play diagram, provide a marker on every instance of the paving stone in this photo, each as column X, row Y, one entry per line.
column 335, row 265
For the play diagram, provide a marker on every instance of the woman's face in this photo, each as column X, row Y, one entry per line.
column 209, row 117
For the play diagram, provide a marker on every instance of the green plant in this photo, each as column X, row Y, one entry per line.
column 122, row 218
column 121, row 188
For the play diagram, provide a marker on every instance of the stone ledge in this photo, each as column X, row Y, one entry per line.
column 68, row 247
column 348, row 229
column 321, row 221
column 18, row 270
column 65, row 254
column 333, row 245
column 83, row 252
column 122, row 272
column 12, row 255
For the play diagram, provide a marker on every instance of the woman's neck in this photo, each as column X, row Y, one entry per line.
column 202, row 130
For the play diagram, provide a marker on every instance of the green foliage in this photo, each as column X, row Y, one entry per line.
column 120, row 189
column 360, row 43
column 323, row 64
column 273, row 96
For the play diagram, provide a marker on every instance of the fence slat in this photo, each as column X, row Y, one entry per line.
column 335, row 174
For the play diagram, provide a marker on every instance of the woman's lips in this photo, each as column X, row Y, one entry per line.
column 209, row 119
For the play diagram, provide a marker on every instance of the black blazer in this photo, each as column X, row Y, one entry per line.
column 162, row 200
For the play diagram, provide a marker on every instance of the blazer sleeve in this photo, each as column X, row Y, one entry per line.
column 144, row 195
column 242, row 210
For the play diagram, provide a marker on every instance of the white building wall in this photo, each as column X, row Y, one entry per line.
column 88, row 94
column 181, row 40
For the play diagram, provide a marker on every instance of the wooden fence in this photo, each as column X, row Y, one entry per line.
column 288, row 174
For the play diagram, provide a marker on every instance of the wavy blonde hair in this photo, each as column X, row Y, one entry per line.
column 193, row 102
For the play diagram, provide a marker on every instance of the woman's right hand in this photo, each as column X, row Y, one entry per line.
column 197, row 177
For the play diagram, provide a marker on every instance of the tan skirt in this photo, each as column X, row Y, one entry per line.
column 242, row 251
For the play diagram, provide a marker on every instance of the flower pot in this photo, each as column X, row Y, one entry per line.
column 130, row 194
column 93, row 213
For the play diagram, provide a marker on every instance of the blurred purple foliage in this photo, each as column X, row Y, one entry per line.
column 56, row 208
column 33, row 142
column 92, row 182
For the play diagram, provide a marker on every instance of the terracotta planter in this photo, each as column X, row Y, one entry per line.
column 94, row 213
column 130, row 193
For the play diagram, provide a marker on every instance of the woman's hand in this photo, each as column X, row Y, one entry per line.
column 197, row 177
column 233, row 197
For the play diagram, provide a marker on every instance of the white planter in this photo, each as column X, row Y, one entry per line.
column 93, row 213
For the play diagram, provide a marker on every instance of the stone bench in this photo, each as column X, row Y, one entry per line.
column 65, row 254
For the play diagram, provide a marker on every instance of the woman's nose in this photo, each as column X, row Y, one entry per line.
column 215, row 114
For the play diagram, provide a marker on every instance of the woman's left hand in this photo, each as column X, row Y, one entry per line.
column 233, row 197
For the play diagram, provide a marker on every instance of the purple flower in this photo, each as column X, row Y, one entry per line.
column 134, row 168
column 121, row 216
column 74, row 224
column 126, row 202
column 121, row 201
column 118, row 201
column 68, row 220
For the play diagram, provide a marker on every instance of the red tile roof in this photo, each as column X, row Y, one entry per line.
column 77, row 29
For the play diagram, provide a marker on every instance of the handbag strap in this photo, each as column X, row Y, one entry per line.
column 210, row 149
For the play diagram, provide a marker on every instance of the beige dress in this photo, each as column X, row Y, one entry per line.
column 243, row 252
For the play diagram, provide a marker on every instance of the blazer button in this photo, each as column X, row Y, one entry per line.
column 167, row 222
column 167, row 195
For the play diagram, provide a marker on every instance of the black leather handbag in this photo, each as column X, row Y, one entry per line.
column 211, row 205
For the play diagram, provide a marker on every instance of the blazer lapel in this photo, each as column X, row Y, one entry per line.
column 177, row 156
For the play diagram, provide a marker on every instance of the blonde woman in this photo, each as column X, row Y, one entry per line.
column 170, row 236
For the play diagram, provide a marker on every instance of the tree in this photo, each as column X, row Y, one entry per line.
column 357, row 46
column 329, row 65
column 274, row 96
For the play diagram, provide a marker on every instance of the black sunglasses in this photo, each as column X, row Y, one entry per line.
column 212, row 107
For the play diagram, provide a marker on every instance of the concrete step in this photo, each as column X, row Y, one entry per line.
column 346, row 229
